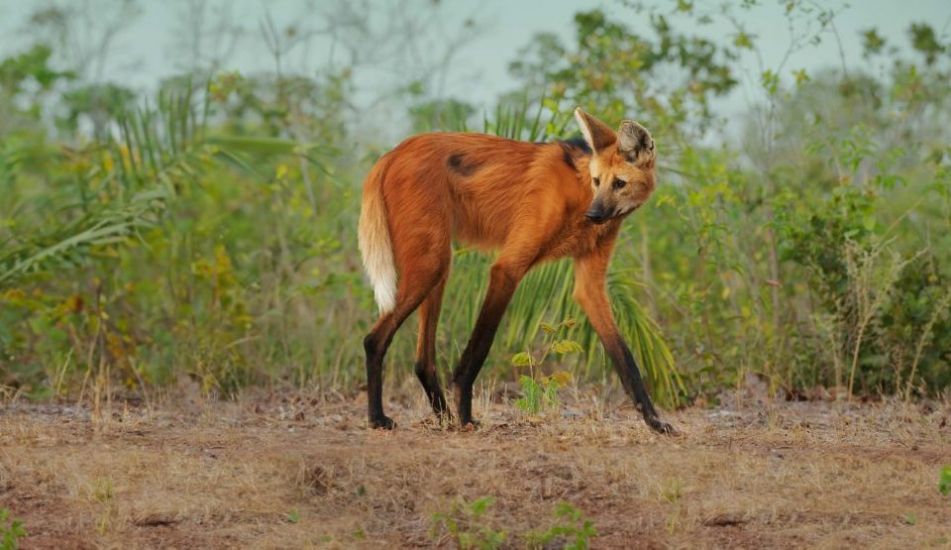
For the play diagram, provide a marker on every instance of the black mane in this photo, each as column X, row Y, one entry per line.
column 574, row 147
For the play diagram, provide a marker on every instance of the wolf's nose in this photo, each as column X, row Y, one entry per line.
column 596, row 215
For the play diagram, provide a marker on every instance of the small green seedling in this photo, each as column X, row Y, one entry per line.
column 944, row 481
column 465, row 525
column 541, row 392
column 11, row 531
column 571, row 530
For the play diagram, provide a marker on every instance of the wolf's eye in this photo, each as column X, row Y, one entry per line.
column 597, row 181
column 618, row 183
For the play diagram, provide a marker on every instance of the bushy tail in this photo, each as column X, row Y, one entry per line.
column 375, row 244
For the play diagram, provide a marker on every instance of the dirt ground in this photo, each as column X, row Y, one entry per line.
column 303, row 471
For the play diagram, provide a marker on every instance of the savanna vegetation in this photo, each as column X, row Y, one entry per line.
column 182, row 302
column 206, row 230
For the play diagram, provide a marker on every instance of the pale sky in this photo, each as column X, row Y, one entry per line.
column 141, row 56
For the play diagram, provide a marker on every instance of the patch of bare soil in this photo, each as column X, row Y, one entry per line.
column 305, row 472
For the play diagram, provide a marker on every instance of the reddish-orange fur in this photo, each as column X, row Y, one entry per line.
column 532, row 202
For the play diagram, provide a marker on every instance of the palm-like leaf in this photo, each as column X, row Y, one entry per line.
column 69, row 245
column 157, row 152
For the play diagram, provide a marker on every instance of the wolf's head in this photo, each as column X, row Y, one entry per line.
column 621, row 166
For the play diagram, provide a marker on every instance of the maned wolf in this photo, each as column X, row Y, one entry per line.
column 533, row 202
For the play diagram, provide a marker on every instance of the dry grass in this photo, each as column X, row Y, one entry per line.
column 303, row 472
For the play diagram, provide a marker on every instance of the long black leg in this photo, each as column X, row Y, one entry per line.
column 502, row 284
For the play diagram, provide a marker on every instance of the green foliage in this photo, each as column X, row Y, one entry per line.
column 571, row 530
column 872, row 42
column 925, row 41
column 30, row 66
column 439, row 114
column 122, row 203
column 11, row 531
column 541, row 392
column 465, row 524
column 537, row 395
column 100, row 103
column 851, row 269
column 608, row 57
column 944, row 481
column 208, row 232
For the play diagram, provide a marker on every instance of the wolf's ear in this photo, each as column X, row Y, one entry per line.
column 597, row 134
column 636, row 144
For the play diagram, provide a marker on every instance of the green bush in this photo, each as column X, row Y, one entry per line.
column 207, row 231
